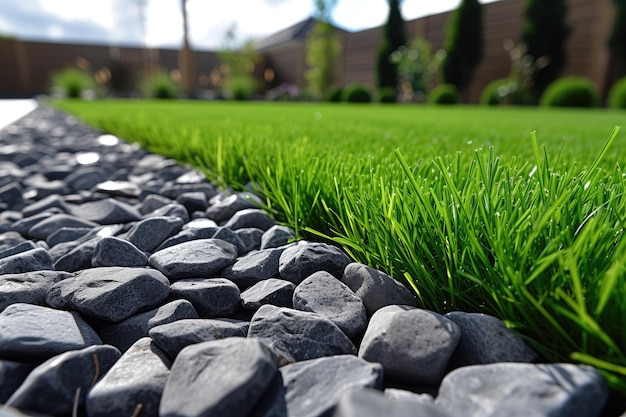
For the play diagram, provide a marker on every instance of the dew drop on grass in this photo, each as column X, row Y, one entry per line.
column 318, row 115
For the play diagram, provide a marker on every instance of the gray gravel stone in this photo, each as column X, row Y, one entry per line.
column 153, row 202
column 45, row 204
column 125, row 333
column 376, row 288
column 187, row 235
column 304, row 258
column 110, row 293
column 29, row 333
column 193, row 201
column 51, row 387
column 372, row 403
column 49, row 225
column 79, row 255
column 314, row 387
column 251, row 237
column 148, row 234
column 224, row 209
column 519, row 389
column 201, row 258
column 113, row 251
column 85, row 178
column 485, row 339
column 10, row 239
column 199, row 386
column 107, row 211
column 325, row 295
column 133, row 386
column 277, row 292
column 28, row 287
column 118, row 188
column 250, row 218
column 66, row 234
column 211, row 297
column 11, row 194
column 173, row 337
column 170, row 210
column 401, row 394
column 253, row 267
column 228, row 235
column 412, row 345
column 19, row 248
column 23, row 225
column 12, row 374
column 33, row 260
column 297, row 335
column 277, row 236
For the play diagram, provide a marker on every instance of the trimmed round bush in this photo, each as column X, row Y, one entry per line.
column 387, row 95
column 504, row 91
column 334, row 95
column 159, row 85
column 570, row 92
column 357, row 93
column 444, row 94
column 617, row 95
column 72, row 82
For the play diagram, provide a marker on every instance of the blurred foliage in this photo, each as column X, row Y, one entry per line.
column 417, row 69
column 159, row 85
column 617, row 95
column 394, row 38
column 571, row 92
column 444, row 94
column 322, row 49
column 73, row 82
column 357, row 93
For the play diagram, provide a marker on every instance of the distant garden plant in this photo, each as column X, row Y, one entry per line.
column 444, row 94
column 334, row 95
column 504, row 91
column 617, row 95
column 159, row 85
column 571, row 92
column 357, row 93
column 387, row 95
column 417, row 69
column 322, row 49
column 73, row 82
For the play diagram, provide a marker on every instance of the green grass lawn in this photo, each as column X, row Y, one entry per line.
column 463, row 204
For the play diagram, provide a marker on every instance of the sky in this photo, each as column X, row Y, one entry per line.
column 158, row 23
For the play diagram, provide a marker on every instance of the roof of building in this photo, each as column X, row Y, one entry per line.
column 297, row 31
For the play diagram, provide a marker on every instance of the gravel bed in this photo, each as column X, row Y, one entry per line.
column 131, row 286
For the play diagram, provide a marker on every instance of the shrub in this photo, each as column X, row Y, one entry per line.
column 334, row 95
column 387, row 95
column 357, row 93
column 159, row 85
column 73, row 82
column 504, row 91
column 444, row 94
column 570, row 92
column 617, row 95
column 241, row 87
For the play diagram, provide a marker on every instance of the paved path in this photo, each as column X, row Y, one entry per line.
column 11, row 110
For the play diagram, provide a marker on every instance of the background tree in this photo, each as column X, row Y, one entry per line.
column 617, row 42
column 237, row 66
column 394, row 38
column 322, row 48
column 545, row 33
column 464, row 44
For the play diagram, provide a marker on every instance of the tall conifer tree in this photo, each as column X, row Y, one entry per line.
column 464, row 44
column 394, row 37
column 545, row 34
